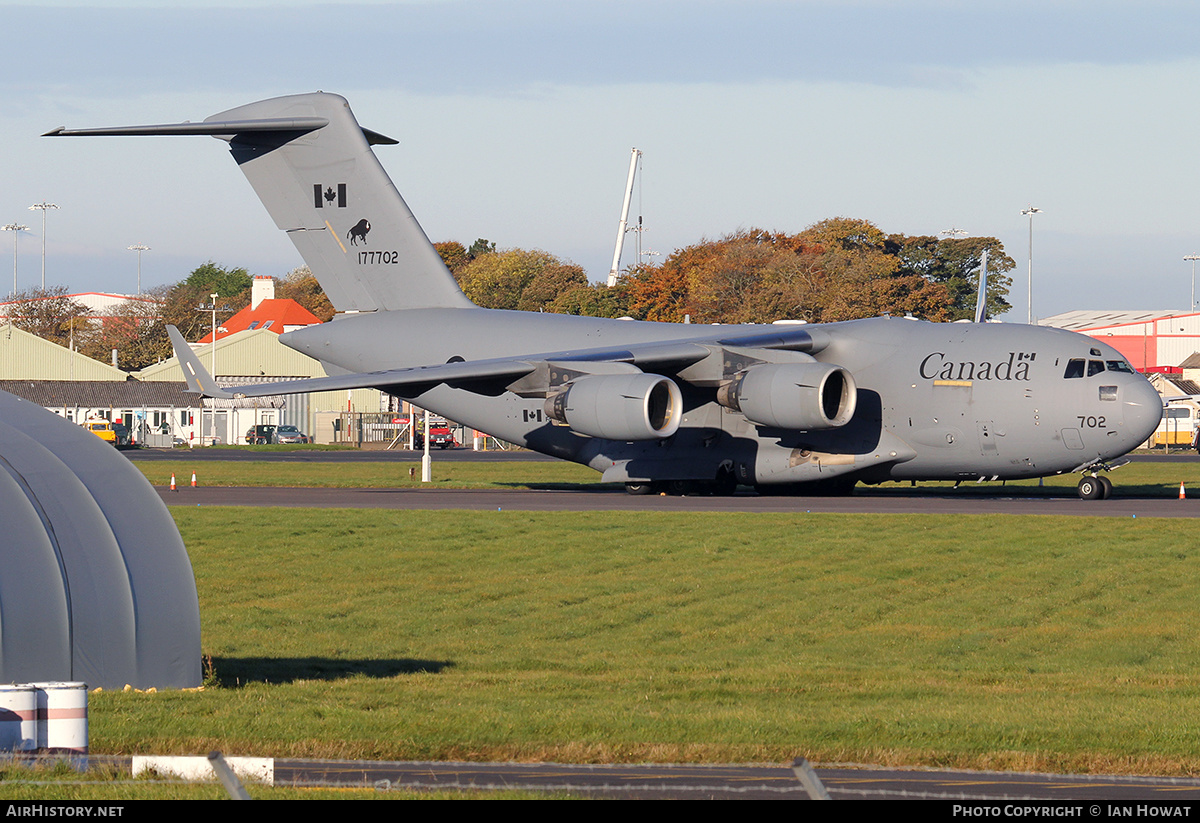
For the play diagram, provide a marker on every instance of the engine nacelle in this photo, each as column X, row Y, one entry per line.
column 803, row 396
column 619, row 406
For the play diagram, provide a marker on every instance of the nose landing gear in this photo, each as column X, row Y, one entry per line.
column 1093, row 486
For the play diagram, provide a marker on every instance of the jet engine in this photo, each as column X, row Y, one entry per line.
column 619, row 406
column 802, row 396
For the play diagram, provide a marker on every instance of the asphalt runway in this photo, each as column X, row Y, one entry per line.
column 608, row 499
column 743, row 782
column 403, row 455
column 334, row 456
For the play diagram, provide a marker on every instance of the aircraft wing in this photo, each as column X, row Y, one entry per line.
column 669, row 355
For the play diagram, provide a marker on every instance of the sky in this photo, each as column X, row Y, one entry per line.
column 516, row 119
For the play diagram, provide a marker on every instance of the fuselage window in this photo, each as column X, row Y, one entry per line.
column 1095, row 367
column 1108, row 392
column 1074, row 369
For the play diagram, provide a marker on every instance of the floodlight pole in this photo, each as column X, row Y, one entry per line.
column 1031, row 211
column 16, row 229
column 139, row 248
column 213, row 308
column 43, row 207
column 1193, row 258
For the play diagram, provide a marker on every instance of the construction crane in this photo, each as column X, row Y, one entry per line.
column 623, row 226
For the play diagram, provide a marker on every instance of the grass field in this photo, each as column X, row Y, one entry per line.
column 979, row 641
column 447, row 475
column 1140, row 478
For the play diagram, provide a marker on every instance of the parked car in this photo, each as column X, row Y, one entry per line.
column 441, row 437
column 261, row 434
column 290, row 434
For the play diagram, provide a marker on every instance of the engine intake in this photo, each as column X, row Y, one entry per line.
column 803, row 396
column 619, row 406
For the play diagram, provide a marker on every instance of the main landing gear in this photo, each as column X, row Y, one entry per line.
column 1095, row 488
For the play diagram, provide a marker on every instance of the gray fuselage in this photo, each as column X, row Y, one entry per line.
column 935, row 400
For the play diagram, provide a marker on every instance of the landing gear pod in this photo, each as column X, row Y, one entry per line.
column 803, row 396
column 619, row 406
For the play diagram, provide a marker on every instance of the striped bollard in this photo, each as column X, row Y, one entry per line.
column 18, row 718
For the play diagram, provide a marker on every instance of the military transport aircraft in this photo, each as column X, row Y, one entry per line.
column 676, row 407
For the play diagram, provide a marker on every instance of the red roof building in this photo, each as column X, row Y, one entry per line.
column 265, row 312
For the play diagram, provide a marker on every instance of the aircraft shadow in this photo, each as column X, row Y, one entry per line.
column 903, row 489
column 234, row 672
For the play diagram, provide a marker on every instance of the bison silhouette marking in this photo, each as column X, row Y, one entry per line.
column 359, row 232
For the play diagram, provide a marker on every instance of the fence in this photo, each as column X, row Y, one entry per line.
column 392, row 429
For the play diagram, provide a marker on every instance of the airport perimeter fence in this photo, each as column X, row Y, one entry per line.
column 391, row 429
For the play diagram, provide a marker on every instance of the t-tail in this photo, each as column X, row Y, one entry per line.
column 313, row 168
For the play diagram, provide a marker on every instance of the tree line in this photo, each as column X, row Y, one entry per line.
column 837, row 269
column 137, row 328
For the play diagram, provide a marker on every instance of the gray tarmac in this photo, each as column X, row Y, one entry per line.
column 749, row 782
column 200, row 455
column 609, row 499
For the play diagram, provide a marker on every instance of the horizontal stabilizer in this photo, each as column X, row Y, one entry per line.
column 209, row 127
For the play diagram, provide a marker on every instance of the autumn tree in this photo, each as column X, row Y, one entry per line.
column 955, row 263
column 656, row 293
column 135, row 329
column 211, row 277
column 525, row 280
column 592, row 300
column 51, row 314
column 458, row 257
column 453, row 254
column 837, row 269
column 301, row 285
column 181, row 306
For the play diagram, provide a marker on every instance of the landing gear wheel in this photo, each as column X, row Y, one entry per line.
column 680, row 488
column 1090, row 488
column 725, row 484
column 639, row 488
column 1106, row 487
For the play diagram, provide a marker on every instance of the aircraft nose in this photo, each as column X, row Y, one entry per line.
column 1143, row 410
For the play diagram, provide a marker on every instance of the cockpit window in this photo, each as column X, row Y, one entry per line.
column 1119, row 365
column 1074, row 369
column 1095, row 367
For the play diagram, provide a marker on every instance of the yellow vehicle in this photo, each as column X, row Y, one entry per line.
column 103, row 429
column 1177, row 426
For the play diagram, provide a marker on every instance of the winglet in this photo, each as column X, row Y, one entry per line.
column 197, row 377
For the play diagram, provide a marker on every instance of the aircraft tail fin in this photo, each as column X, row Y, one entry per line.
column 312, row 166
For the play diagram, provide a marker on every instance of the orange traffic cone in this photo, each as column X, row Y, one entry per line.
column 193, row 480
column 173, row 482
column 1182, row 493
